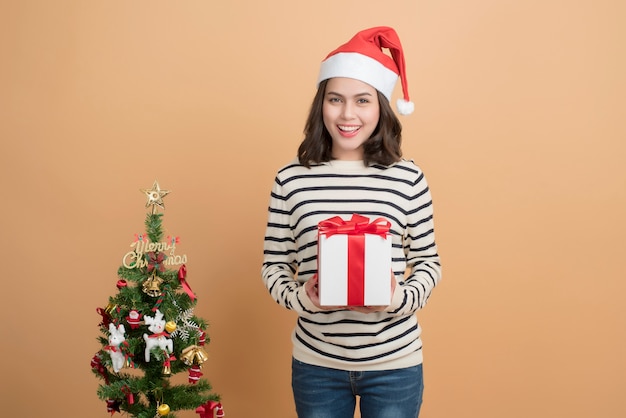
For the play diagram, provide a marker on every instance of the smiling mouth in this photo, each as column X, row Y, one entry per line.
column 348, row 129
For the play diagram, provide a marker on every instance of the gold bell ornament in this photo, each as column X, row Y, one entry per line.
column 194, row 355
column 167, row 365
column 152, row 285
column 167, row 370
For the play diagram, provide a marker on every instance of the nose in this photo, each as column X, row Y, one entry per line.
column 347, row 111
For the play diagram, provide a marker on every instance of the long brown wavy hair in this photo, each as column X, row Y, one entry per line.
column 383, row 147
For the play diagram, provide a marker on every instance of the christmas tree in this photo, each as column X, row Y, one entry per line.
column 149, row 331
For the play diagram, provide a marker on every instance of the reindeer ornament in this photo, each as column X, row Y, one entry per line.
column 158, row 337
column 116, row 338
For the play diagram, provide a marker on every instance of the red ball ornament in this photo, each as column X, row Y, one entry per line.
column 121, row 283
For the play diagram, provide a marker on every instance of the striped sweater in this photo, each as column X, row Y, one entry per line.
column 343, row 339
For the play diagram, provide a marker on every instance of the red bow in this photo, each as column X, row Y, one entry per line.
column 155, row 260
column 167, row 361
column 355, row 226
column 96, row 364
column 106, row 318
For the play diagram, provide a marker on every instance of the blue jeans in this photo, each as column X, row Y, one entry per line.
column 320, row 392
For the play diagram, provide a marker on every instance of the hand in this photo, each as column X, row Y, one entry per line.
column 312, row 290
column 366, row 309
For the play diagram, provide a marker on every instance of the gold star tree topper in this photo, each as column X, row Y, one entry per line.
column 155, row 196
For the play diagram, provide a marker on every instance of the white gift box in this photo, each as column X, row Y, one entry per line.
column 354, row 262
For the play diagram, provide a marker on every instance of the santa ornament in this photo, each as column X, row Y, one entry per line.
column 363, row 59
column 134, row 319
column 195, row 373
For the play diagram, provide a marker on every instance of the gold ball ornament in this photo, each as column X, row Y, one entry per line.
column 170, row 326
column 163, row 409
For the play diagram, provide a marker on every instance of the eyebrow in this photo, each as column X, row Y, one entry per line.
column 356, row 95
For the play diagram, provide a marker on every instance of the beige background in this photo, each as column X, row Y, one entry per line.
column 519, row 125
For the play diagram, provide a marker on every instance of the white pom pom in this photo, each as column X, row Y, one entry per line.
column 404, row 107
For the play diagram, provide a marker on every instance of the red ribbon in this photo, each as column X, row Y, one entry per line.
column 182, row 275
column 168, row 359
column 159, row 334
column 355, row 229
column 130, row 398
column 356, row 270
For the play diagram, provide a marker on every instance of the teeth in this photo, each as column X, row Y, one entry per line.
column 348, row 128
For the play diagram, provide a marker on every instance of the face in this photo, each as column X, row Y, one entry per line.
column 351, row 112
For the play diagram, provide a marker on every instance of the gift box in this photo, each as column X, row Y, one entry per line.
column 354, row 262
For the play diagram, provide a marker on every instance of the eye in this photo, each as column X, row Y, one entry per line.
column 334, row 100
column 362, row 101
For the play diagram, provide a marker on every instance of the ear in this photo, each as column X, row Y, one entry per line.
column 121, row 329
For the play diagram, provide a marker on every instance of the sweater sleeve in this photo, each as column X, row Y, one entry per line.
column 279, row 270
column 422, row 259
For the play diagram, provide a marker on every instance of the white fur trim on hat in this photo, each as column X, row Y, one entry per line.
column 359, row 67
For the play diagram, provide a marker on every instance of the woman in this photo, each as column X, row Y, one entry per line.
column 350, row 161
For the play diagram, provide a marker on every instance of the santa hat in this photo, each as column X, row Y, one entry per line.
column 362, row 58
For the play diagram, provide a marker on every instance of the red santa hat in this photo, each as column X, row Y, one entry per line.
column 362, row 58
